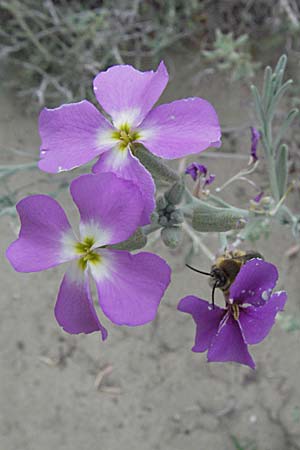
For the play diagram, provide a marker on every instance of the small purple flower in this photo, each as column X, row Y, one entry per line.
column 247, row 318
column 258, row 197
column 255, row 137
column 75, row 134
column 210, row 179
column 195, row 169
column 200, row 174
column 130, row 287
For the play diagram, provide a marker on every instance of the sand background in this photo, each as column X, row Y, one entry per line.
column 155, row 393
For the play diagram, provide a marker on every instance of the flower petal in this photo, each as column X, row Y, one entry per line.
column 74, row 309
column 72, row 135
column 130, row 287
column 127, row 166
column 128, row 94
column 194, row 168
column 256, row 322
column 228, row 344
column 255, row 137
column 254, row 282
column 110, row 207
column 45, row 238
column 180, row 128
column 207, row 320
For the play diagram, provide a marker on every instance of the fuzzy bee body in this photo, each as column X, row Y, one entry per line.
column 225, row 269
column 227, row 266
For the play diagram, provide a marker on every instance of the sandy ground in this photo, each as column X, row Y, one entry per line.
column 155, row 394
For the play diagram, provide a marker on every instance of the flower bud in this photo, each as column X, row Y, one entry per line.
column 171, row 236
column 161, row 203
column 174, row 194
column 208, row 218
column 176, row 217
column 154, row 217
column 163, row 221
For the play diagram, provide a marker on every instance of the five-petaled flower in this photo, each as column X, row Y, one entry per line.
column 130, row 287
column 247, row 318
column 76, row 133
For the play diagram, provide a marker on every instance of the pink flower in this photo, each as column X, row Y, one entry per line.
column 247, row 318
column 130, row 287
column 75, row 134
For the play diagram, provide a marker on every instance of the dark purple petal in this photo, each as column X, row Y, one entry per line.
column 72, row 135
column 256, row 322
column 254, row 282
column 130, row 169
column 130, row 287
column 45, row 238
column 74, row 309
column 255, row 136
column 228, row 344
column 207, row 320
column 258, row 197
column 180, row 128
column 192, row 171
column 194, row 168
column 110, row 207
column 128, row 94
column 210, row 179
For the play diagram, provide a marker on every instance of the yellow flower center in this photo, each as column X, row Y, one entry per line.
column 125, row 136
column 84, row 249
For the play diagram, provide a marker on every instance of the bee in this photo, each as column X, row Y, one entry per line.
column 225, row 269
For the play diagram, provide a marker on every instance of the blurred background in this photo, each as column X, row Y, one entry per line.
column 143, row 389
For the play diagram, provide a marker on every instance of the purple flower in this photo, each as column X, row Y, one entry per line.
column 210, row 179
column 200, row 174
column 247, row 318
column 258, row 197
column 195, row 169
column 255, row 137
column 75, row 134
column 129, row 287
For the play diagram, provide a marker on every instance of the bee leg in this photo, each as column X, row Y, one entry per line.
column 213, row 294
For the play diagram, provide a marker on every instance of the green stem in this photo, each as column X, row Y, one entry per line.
column 147, row 229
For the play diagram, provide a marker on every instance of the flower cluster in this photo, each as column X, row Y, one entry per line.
column 113, row 201
column 118, row 198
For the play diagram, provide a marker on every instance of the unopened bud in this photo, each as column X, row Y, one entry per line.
column 163, row 221
column 210, row 218
column 176, row 217
column 161, row 203
column 171, row 236
column 174, row 194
